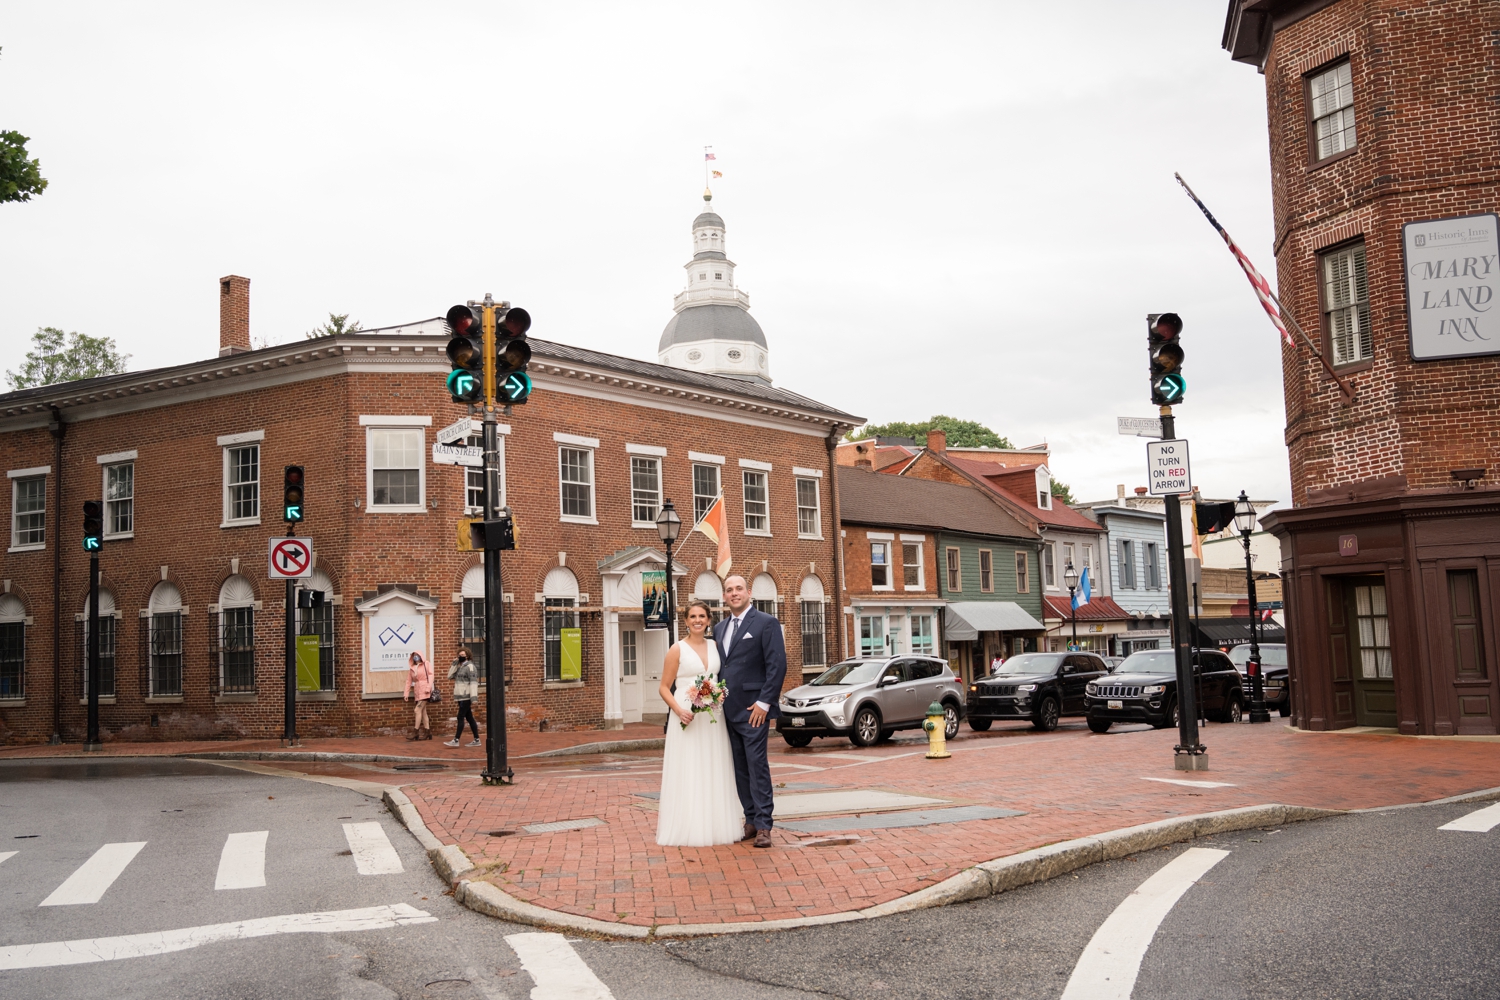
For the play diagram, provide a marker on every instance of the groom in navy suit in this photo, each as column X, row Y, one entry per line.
column 752, row 658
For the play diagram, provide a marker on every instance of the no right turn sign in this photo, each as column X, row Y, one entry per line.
column 289, row 558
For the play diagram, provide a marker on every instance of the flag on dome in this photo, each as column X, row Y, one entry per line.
column 715, row 524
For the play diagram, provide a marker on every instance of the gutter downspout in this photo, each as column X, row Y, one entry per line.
column 57, row 429
column 832, row 443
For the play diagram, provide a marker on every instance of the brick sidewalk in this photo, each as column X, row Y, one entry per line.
column 520, row 744
column 1068, row 784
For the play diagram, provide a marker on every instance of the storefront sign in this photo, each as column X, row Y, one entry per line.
column 1348, row 545
column 308, row 674
column 571, row 642
column 654, row 599
column 394, row 638
column 1453, row 286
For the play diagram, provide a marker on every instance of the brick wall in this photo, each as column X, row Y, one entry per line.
column 1428, row 129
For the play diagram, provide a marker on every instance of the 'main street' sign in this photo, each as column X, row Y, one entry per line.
column 1452, row 286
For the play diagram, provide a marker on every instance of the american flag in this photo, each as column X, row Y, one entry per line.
column 1262, row 288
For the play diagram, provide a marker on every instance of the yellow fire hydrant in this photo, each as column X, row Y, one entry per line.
column 936, row 737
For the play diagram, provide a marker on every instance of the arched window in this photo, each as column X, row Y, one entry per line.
column 559, row 594
column 708, row 587
column 165, row 658
column 814, row 631
column 237, row 636
column 471, row 618
column 108, row 619
column 12, row 648
column 763, row 594
column 318, row 621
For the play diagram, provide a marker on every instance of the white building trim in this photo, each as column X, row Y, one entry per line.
column 582, row 442
column 245, row 438
column 700, row 456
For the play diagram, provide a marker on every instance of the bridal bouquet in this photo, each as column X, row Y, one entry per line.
column 706, row 695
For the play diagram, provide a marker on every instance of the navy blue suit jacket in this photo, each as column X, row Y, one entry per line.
column 755, row 665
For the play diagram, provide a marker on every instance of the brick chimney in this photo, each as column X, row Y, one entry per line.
column 1120, row 491
column 1141, row 491
column 862, row 456
column 234, row 315
column 937, row 440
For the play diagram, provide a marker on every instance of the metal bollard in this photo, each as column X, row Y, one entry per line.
column 937, row 741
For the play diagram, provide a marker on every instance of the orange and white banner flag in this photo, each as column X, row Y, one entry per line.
column 715, row 524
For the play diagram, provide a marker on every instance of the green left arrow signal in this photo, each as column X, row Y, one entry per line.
column 463, row 386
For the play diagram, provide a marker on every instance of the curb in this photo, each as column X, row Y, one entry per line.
column 989, row 878
column 611, row 746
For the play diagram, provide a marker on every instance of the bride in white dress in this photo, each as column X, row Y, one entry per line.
column 699, row 803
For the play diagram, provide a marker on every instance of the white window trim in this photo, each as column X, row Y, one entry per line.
column 117, row 457
column 797, row 470
column 373, row 424
column 227, row 442
column 660, row 486
column 579, row 443
column 654, row 450
column 818, row 491
column 396, row 420
column 121, row 458
column 890, row 570
column 920, row 542
column 880, row 536
column 757, row 533
column 750, row 463
column 499, row 456
column 40, row 472
column 699, row 456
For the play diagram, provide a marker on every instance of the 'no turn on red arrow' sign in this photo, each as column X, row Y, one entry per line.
column 289, row 558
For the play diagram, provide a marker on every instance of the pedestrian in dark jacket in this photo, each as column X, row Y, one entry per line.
column 464, row 673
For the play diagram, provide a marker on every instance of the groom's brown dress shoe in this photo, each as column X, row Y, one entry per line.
column 749, row 833
column 762, row 838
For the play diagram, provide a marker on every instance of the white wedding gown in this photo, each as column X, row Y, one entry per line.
column 699, row 804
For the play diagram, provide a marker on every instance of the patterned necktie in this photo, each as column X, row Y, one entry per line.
column 729, row 639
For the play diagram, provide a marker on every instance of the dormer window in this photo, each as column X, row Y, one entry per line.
column 1043, row 488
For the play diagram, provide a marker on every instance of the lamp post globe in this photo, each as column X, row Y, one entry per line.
column 668, row 526
column 1070, row 578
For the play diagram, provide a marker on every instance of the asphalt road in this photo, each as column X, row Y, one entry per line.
column 1369, row 905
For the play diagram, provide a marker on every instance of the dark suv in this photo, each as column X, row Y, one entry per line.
column 1144, row 689
column 1273, row 672
column 1036, row 686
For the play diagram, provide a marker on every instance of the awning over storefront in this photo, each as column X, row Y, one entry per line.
column 965, row 620
column 1234, row 631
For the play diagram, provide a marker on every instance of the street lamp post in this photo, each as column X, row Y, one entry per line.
column 1070, row 577
column 668, row 524
column 1244, row 520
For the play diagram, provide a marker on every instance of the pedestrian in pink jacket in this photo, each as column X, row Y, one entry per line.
column 419, row 682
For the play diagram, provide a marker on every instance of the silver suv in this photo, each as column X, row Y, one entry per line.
column 866, row 701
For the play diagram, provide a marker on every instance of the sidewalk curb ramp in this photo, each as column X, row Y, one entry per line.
column 986, row 879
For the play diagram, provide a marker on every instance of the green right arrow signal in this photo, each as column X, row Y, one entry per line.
column 515, row 387
column 1171, row 387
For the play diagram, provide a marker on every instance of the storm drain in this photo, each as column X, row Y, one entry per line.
column 561, row 825
column 886, row 821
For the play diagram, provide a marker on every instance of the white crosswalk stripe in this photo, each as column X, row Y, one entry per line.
column 94, row 877
column 242, row 863
column 372, row 850
column 1479, row 821
column 556, row 969
column 6, row 854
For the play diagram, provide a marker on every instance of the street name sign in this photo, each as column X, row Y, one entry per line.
column 289, row 558
column 1167, row 471
column 1145, row 427
column 1452, row 283
column 458, row 431
column 458, row 454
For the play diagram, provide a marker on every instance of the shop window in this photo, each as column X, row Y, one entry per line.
column 1374, row 632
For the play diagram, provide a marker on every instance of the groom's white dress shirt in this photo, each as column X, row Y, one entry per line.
column 735, row 624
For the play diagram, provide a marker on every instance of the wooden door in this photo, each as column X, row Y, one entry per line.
column 1370, row 652
column 631, row 692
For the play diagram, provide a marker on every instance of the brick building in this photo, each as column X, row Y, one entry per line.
column 1385, row 164
column 186, row 461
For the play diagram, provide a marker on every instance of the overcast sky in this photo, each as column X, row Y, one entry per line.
column 935, row 208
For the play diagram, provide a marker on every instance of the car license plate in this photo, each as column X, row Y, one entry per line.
column 799, row 721
column 1115, row 706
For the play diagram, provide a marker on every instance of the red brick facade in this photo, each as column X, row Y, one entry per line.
column 308, row 399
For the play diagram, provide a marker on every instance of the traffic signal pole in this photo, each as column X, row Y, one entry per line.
column 1190, row 754
column 497, row 765
column 289, row 717
column 91, row 740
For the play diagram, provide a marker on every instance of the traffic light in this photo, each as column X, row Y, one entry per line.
column 292, row 494
column 1214, row 515
column 466, row 354
column 310, row 600
column 512, row 355
column 498, row 535
column 1168, row 386
column 93, row 525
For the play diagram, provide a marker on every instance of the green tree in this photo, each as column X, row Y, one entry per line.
column 66, row 357
column 337, row 323
column 1061, row 491
column 961, row 433
column 20, row 176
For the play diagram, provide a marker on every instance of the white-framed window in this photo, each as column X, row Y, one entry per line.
column 1088, row 564
column 1043, row 488
column 922, row 640
column 645, row 490
column 705, row 489
column 1023, row 574
column 165, row 636
column 28, row 513
column 880, row 566
column 576, row 483
column 119, row 500
column 913, row 572
column 397, row 481
column 12, row 648
column 107, row 631
column 814, row 640
column 242, row 484
column 236, row 638
column 809, row 510
column 1346, row 305
column 955, row 569
column 1127, row 565
column 474, row 475
column 1331, row 94
column 757, row 502
column 559, row 597
column 871, row 636
column 763, row 595
column 1049, row 564
column 986, row 571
